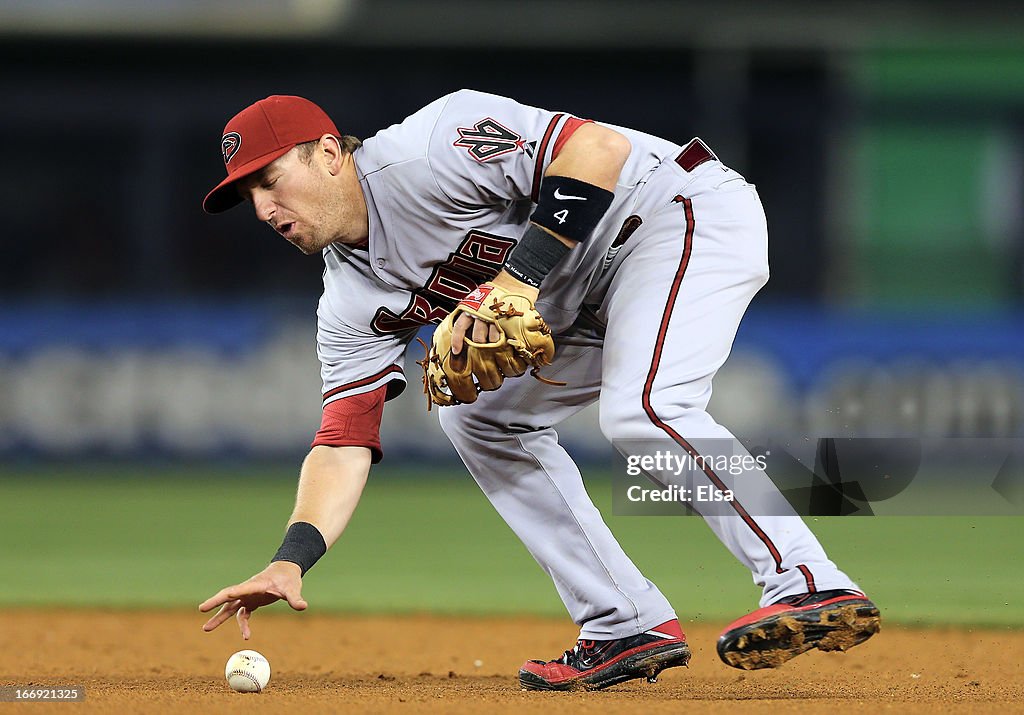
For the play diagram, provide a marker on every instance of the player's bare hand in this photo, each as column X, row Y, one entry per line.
column 479, row 331
column 281, row 580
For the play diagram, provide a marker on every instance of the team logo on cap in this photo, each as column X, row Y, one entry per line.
column 229, row 145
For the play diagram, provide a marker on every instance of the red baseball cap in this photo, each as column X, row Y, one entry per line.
column 258, row 135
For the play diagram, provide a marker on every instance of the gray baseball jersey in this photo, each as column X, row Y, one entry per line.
column 449, row 193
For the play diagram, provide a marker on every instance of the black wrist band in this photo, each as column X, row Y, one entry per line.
column 570, row 207
column 303, row 545
column 537, row 253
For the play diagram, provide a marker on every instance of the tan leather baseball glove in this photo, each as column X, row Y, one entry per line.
column 524, row 343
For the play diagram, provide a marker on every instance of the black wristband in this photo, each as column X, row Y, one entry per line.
column 537, row 253
column 303, row 545
column 570, row 207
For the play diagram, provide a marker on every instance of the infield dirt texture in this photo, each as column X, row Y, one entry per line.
column 429, row 604
column 161, row 663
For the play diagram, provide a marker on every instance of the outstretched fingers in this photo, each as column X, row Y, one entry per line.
column 242, row 616
column 226, row 611
column 229, row 593
column 279, row 581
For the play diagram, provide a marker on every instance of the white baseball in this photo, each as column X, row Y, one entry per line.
column 247, row 672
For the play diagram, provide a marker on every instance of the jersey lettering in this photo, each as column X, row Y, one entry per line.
column 476, row 260
column 420, row 311
column 487, row 139
column 456, row 277
column 486, row 248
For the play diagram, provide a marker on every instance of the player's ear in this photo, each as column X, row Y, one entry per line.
column 332, row 153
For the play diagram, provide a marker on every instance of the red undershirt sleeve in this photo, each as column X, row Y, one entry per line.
column 353, row 422
column 568, row 129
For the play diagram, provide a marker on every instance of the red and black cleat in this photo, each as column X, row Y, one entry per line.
column 828, row 620
column 592, row 665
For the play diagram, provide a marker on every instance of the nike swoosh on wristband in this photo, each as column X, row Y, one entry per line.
column 568, row 197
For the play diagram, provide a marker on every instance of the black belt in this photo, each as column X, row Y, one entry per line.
column 694, row 154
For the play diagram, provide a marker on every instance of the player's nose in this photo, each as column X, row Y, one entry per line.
column 264, row 206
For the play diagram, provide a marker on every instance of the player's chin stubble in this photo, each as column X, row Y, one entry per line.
column 309, row 245
column 332, row 222
column 312, row 236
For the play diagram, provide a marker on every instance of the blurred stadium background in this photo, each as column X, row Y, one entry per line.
column 146, row 346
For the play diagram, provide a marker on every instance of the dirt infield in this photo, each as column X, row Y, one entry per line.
column 162, row 662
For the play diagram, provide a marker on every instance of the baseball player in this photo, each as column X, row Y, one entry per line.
column 614, row 265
